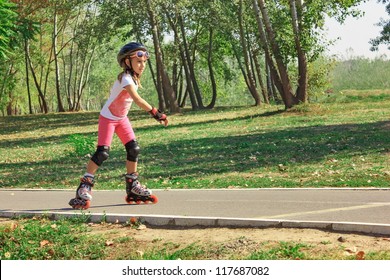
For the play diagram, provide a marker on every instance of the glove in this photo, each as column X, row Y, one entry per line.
column 159, row 116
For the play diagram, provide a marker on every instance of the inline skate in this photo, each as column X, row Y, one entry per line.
column 136, row 193
column 83, row 194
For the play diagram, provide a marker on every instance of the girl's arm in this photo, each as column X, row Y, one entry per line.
column 160, row 117
column 138, row 99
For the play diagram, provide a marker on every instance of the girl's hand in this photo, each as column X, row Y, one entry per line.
column 159, row 116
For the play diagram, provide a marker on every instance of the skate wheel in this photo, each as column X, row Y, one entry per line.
column 83, row 207
column 138, row 202
column 129, row 200
column 87, row 205
column 153, row 199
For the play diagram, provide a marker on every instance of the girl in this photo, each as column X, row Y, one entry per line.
column 132, row 59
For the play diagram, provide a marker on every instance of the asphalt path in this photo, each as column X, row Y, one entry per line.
column 352, row 210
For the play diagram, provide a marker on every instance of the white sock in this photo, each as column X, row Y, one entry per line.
column 89, row 175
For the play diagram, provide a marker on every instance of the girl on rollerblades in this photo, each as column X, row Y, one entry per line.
column 132, row 58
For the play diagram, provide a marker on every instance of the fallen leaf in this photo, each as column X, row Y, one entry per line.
column 109, row 243
column 140, row 253
column 141, row 227
column 360, row 255
column 13, row 226
column 351, row 250
column 43, row 243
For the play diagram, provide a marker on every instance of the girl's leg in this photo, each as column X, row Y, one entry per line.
column 131, row 166
column 126, row 133
column 91, row 168
column 105, row 133
column 133, row 186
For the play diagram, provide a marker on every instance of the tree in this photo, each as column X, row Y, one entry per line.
column 162, row 75
column 8, row 18
column 289, row 37
column 384, row 37
column 249, row 75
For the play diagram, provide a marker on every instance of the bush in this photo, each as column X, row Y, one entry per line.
column 81, row 145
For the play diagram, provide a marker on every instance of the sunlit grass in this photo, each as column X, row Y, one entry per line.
column 342, row 142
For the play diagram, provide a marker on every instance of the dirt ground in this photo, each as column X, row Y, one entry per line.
column 240, row 242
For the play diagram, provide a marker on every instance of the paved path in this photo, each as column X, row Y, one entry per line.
column 355, row 210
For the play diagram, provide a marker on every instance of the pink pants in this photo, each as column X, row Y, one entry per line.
column 107, row 128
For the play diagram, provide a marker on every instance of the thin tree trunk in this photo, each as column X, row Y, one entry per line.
column 40, row 93
column 250, row 78
column 194, row 103
column 211, row 71
column 27, row 77
column 272, row 73
column 161, row 73
column 288, row 96
column 260, row 79
column 57, row 69
column 302, row 61
column 188, row 59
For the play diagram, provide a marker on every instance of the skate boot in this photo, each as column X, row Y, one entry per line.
column 83, row 194
column 136, row 193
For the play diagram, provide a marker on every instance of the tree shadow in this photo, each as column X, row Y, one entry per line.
column 291, row 146
column 211, row 155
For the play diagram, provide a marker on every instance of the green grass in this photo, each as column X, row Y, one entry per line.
column 42, row 239
column 284, row 251
column 342, row 142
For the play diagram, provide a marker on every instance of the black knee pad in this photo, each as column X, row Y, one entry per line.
column 101, row 154
column 132, row 150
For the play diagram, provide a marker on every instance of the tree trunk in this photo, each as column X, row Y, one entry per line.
column 57, row 69
column 250, row 78
column 40, row 93
column 287, row 94
column 190, row 64
column 190, row 89
column 273, row 77
column 211, row 71
column 161, row 73
column 27, row 77
column 260, row 78
column 302, row 61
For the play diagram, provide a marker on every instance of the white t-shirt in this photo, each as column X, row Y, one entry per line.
column 119, row 102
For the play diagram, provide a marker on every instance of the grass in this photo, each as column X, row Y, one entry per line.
column 342, row 142
column 44, row 239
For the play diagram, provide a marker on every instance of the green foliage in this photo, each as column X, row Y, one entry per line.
column 90, row 33
column 8, row 19
column 384, row 37
column 319, row 73
column 81, row 145
column 361, row 74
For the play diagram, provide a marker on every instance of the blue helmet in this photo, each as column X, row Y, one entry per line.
column 127, row 49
